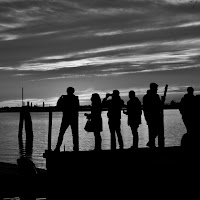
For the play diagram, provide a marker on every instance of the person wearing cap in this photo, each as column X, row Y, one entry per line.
column 69, row 105
column 114, row 106
column 152, row 108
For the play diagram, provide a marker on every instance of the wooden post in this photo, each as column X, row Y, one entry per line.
column 21, row 119
column 161, row 136
column 49, row 131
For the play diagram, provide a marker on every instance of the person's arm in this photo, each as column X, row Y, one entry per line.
column 59, row 103
column 125, row 111
column 105, row 100
column 139, row 106
column 88, row 115
column 77, row 104
column 123, row 105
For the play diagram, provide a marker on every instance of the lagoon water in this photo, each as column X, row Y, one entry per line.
column 11, row 148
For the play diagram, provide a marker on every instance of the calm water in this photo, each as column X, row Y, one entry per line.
column 11, row 147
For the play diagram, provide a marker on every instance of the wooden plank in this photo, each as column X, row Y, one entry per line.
column 49, row 130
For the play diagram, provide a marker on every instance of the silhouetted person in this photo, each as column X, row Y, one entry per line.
column 69, row 104
column 187, row 108
column 114, row 106
column 152, row 108
column 196, row 115
column 96, row 119
column 145, row 98
column 134, row 112
column 190, row 140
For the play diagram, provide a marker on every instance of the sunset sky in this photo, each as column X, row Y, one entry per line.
column 97, row 46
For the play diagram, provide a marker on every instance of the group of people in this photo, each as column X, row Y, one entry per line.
column 152, row 109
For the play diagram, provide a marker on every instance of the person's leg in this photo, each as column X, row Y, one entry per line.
column 75, row 135
column 161, row 136
column 186, row 123
column 119, row 135
column 135, row 136
column 151, row 136
column 112, row 135
column 63, row 127
column 97, row 137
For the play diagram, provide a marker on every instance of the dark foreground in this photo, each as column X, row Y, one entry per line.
column 106, row 174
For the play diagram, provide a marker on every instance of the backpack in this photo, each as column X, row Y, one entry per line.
column 60, row 102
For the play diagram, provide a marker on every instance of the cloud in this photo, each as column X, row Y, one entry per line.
column 17, row 75
column 176, row 2
column 7, row 37
column 77, row 40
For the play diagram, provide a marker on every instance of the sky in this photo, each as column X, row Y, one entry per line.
column 97, row 46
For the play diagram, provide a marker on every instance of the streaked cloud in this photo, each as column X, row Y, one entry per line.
column 95, row 45
column 7, row 37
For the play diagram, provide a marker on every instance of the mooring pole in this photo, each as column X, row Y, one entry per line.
column 21, row 119
column 50, row 130
column 161, row 136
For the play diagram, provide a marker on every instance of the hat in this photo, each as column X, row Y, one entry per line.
column 153, row 85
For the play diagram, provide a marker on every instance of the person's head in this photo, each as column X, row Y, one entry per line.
column 95, row 98
column 148, row 91
column 153, row 87
column 190, row 90
column 131, row 94
column 70, row 90
column 115, row 94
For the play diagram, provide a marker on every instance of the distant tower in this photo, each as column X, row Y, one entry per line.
column 22, row 96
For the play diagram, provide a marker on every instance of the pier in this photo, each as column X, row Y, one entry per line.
column 92, row 170
column 156, row 155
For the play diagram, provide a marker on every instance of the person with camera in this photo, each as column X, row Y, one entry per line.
column 114, row 105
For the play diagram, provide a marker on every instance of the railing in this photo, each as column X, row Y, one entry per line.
column 26, row 117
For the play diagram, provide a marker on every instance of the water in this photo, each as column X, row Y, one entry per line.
column 11, row 148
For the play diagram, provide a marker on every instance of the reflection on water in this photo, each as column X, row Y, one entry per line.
column 25, row 147
column 25, row 120
column 12, row 147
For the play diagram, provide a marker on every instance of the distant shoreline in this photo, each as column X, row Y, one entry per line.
column 55, row 109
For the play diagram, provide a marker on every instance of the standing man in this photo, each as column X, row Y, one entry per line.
column 187, row 108
column 114, row 106
column 152, row 107
column 69, row 105
column 134, row 112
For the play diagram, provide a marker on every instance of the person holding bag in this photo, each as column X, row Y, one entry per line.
column 94, row 123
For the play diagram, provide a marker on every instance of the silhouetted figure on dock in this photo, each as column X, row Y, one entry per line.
column 190, row 140
column 146, row 96
column 69, row 105
column 134, row 112
column 152, row 108
column 96, row 119
column 187, row 110
column 114, row 106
